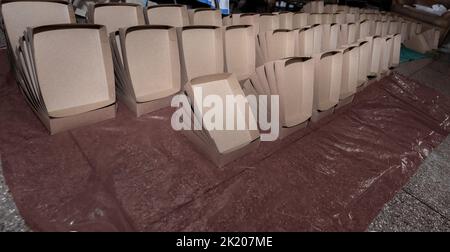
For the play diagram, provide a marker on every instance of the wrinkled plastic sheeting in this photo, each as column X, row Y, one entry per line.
column 132, row 174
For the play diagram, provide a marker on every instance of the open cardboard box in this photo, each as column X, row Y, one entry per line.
column 221, row 146
column 250, row 19
column 17, row 15
column 201, row 51
column 327, row 83
column 60, row 99
column 205, row 16
column 349, row 83
column 315, row 18
column 116, row 15
column 268, row 22
column 280, row 44
column 240, row 51
column 286, row 20
column 292, row 79
column 149, row 65
column 330, row 36
column 227, row 20
column 304, row 42
column 175, row 15
column 300, row 20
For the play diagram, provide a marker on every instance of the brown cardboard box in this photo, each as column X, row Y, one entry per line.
column 116, row 15
column 365, row 51
column 150, row 66
column 317, row 33
column 205, row 16
column 201, row 51
column 300, row 20
column 315, row 18
column 175, row 15
column 61, row 100
column 327, row 81
column 17, row 15
column 221, row 146
column 286, row 20
column 280, row 44
column 239, row 46
column 227, row 20
column 304, row 44
column 268, row 22
column 330, row 36
column 250, row 19
column 350, row 65
column 395, row 52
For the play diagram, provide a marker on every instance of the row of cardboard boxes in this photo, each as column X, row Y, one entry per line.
column 71, row 87
column 67, row 72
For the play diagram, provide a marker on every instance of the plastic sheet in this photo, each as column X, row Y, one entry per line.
column 138, row 174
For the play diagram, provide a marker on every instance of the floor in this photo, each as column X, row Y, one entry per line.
column 422, row 205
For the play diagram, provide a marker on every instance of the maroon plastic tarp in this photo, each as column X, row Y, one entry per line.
column 138, row 174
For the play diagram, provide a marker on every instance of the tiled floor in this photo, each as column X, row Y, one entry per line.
column 424, row 203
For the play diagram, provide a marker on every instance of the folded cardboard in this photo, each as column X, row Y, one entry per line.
column 365, row 51
column 339, row 18
column 150, row 67
column 250, row 19
column 314, row 7
column 175, row 15
column 386, row 53
column 219, row 145
column 17, row 15
column 62, row 100
column 201, row 51
column 205, row 16
column 116, row 15
column 315, row 18
column 327, row 80
column 377, row 45
column 300, row 20
column 395, row 52
column 268, row 22
column 227, row 20
column 280, row 44
column 350, row 65
column 330, row 36
column 417, row 43
column 364, row 29
column 304, row 42
column 240, row 51
column 327, row 18
column 330, row 8
column 286, row 20
column 295, row 85
column 317, row 33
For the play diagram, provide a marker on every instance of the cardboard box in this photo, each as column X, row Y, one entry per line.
column 317, row 33
column 201, row 51
column 304, row 45
column 18, row 15
column 286, row 20
column 418, row 43
column 378, row 45
column 116, row 15
column 315, row 18
column 330, row 8
column 327, row 80
column 386, row 54
column 240, row 51
column 432, row 37
column 250, row 19
column 227, row 20
column 395, row 52
column 280, row 44
column 365, row 52
column 330, row 36
column 205, row 16
column 340, row 18
column 350, row 65
column 175, row 15
column 300, row 20
column 60, row 99
column 327, row 18
column 295, row 86
column 221, row 146
column 364, row 29
column 150, row 67
column 394, row 27
column 268, row 22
